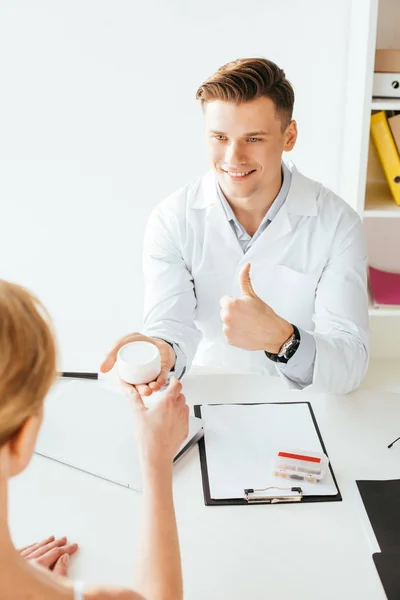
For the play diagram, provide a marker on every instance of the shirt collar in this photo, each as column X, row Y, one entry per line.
column 273, row 209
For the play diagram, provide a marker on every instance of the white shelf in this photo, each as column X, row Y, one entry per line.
column 385, row 104
column 382, row 311
column 390, row 311
column 379, row 201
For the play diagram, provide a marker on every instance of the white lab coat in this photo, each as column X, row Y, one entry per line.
column 309, row 265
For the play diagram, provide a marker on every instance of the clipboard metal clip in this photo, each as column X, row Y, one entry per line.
column 272, row 498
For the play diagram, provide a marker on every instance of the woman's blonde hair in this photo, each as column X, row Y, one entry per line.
column 27, row 357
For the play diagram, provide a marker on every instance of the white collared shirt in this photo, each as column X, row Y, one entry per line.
column 299, row 369
column 309, row 265
column 244, row 238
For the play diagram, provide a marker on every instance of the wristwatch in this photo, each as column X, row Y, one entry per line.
column 288, row 348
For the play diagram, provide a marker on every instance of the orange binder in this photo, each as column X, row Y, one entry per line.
column 387, row 152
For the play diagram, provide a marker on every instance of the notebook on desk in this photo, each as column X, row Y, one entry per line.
column 239, row 446
column 90, row 428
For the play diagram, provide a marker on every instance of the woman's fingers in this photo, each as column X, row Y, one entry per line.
column 61, row 566
column 144, row 390
column 25, row 552
column 181, row 399
column 153, row 385
column 46, row 547
column 51, row 557
column 174, row 388
column 50, row 554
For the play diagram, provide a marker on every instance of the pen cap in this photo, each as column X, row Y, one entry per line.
column 139, row 362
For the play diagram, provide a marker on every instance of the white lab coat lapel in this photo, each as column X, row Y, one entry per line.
column 223, row 238
column 301, row 201
column 272, row 280
column 278, row 228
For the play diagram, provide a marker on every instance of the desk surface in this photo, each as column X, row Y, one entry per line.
column 311, row 551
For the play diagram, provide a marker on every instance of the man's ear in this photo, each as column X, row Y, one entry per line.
column 290, row 136
column 22, row 444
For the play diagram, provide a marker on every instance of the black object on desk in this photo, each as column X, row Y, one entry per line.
column 388, row 566
column 382, row 503
column 393, row 443
column 76, row 375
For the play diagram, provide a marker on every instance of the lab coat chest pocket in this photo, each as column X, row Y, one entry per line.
column 290, row 293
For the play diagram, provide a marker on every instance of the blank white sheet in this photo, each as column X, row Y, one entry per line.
column 242, row 440
column 90, row 428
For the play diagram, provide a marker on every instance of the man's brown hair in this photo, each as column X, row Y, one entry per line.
column 247, row 79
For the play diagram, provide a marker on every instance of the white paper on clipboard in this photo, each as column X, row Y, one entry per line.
column 241, row 441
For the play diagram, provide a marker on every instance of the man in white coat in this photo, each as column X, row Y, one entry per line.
column 254, row 267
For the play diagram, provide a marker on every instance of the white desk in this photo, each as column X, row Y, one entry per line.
column 308, row 551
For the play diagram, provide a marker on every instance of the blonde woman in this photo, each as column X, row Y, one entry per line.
column 27, row 370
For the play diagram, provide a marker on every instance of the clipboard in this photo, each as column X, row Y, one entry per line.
column 288, row 491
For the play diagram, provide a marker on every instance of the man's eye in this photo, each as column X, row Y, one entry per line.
column 220, row 138
column 253, row 139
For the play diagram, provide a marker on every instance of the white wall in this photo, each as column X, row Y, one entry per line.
column 99, row 123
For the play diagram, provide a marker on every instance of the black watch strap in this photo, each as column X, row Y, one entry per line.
column 284, row 358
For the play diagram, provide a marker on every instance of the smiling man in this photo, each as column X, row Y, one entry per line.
column 254, row 267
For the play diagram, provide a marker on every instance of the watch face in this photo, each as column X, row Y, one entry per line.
column 287, row 346
column 291, row 349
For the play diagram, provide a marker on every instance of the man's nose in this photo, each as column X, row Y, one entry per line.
column 234, row 155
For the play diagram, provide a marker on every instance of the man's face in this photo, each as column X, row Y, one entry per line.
column 245, row 144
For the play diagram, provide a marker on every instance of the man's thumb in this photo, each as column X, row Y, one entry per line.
column 245, row 282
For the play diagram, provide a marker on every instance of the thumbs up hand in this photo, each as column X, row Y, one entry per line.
column 249, row 323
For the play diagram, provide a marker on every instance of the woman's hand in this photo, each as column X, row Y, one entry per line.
column 162, row 429
column 51, row 554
